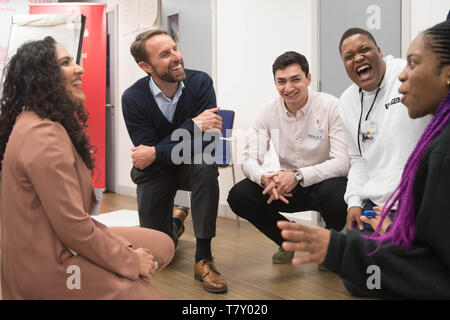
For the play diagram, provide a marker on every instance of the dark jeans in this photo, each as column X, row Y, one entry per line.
column 368, row 206
column 156, row 195
column 247, row 201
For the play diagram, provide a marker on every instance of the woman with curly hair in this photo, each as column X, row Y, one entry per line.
column 413, row 253
column 51, row 248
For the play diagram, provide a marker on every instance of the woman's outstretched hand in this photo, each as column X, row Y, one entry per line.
column 312, row 240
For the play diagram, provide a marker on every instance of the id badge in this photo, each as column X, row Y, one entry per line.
column 369, row 128
column 316, row 133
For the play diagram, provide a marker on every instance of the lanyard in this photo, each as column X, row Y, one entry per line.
column 365, row 137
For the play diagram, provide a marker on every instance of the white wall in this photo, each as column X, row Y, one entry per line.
column 250, row 35
column 128, row 73
column 425, row 14
column 194, row 24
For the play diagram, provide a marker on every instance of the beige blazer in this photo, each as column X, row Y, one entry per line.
column 44, row 208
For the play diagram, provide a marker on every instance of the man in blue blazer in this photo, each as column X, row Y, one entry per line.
column 167, row 114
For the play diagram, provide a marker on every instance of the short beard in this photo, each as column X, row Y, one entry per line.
column 167, row 77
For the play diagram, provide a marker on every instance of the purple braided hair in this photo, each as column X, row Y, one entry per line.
column 403, row 228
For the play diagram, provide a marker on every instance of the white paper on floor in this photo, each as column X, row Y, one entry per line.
column 120, row 218
column 309, row 218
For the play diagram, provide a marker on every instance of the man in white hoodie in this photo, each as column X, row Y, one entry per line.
column 380, row 134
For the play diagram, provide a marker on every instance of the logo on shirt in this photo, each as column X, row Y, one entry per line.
column 393, row 101
column 316, row 133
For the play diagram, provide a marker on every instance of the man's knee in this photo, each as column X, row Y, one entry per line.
column 205, row 172
column 333, row 189
column 234, row 196
column 332, row 204
column 241, row 196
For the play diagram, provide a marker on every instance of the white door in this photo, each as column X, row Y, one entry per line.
column 382, row 18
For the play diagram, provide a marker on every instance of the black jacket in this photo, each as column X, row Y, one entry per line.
column 422, row 272
column 147, row 125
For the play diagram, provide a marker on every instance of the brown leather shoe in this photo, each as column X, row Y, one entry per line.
column 181, row 213
column 206, row 272
column 321, row 267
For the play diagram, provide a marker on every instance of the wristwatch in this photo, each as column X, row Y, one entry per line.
column 298, row 176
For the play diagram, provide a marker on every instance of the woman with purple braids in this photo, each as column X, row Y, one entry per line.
column 410, row 257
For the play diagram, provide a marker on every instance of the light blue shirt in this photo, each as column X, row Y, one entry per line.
column 166, row 105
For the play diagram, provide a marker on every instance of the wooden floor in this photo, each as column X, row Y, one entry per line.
column 243, row 256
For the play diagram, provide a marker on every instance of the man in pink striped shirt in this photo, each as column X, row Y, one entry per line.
column 308, row 136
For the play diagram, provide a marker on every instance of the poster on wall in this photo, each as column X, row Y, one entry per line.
column 172, row 26
column 136, row 15
column 148, row 14
column 9, row 8
column 94, row 79
column 66, row 29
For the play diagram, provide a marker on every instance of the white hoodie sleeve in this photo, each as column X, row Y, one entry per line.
column 357, row 175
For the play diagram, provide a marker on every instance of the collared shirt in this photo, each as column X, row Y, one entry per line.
column 166, row 105
column 312, row 140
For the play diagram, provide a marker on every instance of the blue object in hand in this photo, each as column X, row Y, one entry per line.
column 370, row 214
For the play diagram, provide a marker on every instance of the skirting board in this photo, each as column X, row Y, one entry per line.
column 126, row 190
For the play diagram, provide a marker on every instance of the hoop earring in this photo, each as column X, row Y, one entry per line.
column 448, row 83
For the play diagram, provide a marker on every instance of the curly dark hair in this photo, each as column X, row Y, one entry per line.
column 34, row 82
